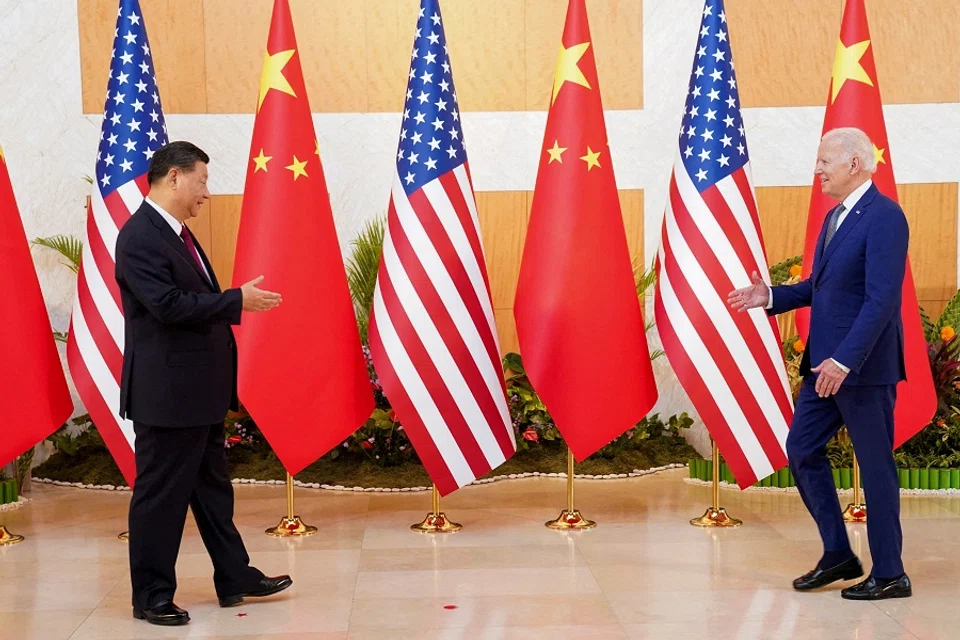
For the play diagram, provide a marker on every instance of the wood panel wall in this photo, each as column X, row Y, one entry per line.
column 356, row 53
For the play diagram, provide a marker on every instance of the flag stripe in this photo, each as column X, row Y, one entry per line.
column 694, row 383
column 470, row 219
column 460, row 361
column 696, row 351
column 450, row 207
column 99, row 333
column 758, row 330
column 102, row 281
column 435, row 362
column 707, row 313
column 117, row 435
column 103, row 259
column 104, row 222
column 420, row 397
column 452, row 243
column 735, row 330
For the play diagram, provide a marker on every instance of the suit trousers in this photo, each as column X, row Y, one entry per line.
column 867, row 412
column 177, row 467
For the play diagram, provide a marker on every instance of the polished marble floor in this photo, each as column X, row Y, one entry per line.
column 643, row 573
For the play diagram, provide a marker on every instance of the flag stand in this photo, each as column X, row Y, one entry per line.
column 570, row 518
column 716, row 516
column 290, row 525
column 7, row 538
column 857, row 510
column 436, row 521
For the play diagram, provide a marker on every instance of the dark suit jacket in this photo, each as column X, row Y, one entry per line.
column 180, row 356
column 854, row 294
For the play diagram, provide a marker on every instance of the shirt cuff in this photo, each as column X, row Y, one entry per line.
column 769, row 298
column 843, row 368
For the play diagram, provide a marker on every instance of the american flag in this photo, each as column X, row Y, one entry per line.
column 729, row 363
column 133, row 128
column 432, row 334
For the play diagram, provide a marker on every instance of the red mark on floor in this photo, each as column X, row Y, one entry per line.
column 241, row 615
column 450, row 607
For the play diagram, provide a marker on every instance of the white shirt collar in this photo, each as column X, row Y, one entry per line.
column 175, row 224
column 851, row 200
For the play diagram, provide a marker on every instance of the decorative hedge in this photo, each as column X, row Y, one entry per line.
column 933, row 479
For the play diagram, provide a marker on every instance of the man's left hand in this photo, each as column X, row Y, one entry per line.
column 829, row 378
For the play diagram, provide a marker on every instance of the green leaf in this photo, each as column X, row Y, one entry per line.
column 950, row 316
column 513, row 362
column 930, row 331
column 362, row 268
column 69, row 247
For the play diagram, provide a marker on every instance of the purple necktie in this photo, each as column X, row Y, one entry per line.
column 192, row 248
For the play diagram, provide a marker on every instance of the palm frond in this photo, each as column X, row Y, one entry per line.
column 951, row 315
column 930, row 330
column 69, row 247
column 362, row 269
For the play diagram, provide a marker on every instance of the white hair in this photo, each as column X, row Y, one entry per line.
column 853, row 143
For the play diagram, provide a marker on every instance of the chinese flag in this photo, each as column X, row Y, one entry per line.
column 31, row 377
column 302, row 375
column 854, row 101
column 577, row 312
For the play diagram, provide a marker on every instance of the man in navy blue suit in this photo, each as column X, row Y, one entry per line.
column 851, row 365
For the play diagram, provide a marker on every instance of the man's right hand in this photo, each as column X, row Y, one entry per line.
column 756, row 296
column 255, row 299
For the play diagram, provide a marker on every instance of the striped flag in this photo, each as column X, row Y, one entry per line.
column 133, row 128
column 432, row 332
column 729, row 363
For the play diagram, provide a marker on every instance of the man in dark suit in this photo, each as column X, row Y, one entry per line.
column 856, row 343
column 179, row 379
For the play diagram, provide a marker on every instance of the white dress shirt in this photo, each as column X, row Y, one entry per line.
column 848, row 204
column 177, row 227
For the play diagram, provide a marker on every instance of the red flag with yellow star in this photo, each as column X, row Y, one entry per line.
column 30, row 372
column 576, row 307
column 302, row 375
column 854, row 101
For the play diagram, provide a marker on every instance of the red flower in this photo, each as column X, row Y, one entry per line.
column 366, row 445
column 531, row 435
column 234, row 439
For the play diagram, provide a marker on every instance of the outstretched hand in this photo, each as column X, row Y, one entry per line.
column 256, row 299
column 756, row 296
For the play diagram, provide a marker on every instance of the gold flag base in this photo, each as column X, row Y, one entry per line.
column 125, row 536
column 290, row 528
column 436, row 523
column 716, row 518
column 855, row 513
column 570, row 521
column 7, row 538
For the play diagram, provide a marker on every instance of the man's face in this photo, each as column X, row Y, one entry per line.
column 838, row 176
column 192, row 189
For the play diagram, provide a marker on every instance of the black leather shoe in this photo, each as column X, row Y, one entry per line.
column 165, row 613
column 846, row 570
column 266, row 587
column 873, row 589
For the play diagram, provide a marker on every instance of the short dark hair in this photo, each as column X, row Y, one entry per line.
column 180, row 154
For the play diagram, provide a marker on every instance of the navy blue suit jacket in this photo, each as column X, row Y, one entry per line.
column 854, row 294
column 179, row 356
